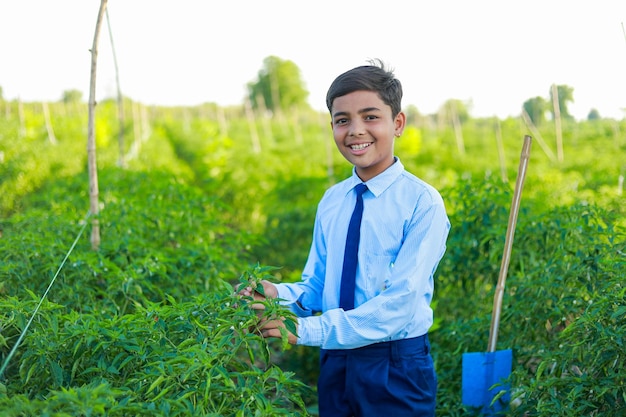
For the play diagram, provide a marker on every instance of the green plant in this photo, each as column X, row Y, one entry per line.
column 197, row 204
column 199, row 357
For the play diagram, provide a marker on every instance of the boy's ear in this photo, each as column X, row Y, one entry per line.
column 400, row 123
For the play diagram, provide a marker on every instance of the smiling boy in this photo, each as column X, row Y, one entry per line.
column 375, row 355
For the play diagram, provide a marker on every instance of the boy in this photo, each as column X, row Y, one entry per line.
column 375, row 355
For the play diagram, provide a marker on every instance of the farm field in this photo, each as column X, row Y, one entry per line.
column 195, row 200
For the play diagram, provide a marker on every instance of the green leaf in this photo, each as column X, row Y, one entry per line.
column 162, row 393
column 292, row 326
column 260, row 289
column 57, row 373
column 619, row 313
column 155, row 383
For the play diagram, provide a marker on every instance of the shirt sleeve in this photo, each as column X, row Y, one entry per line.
column 305, row 298
column 406, row 299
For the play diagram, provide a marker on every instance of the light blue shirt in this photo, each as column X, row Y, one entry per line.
column 403, row 238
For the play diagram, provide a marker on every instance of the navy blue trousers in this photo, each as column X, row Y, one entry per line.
column 390, row 379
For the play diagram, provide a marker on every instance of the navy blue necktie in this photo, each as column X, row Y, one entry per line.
column 350, row 257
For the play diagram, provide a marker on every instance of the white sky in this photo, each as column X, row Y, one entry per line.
column 496, row 53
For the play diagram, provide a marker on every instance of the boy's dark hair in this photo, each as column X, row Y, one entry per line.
column 374, row 77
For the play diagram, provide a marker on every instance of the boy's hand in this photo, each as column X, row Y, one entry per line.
column 268, row 328
column 271, row 328
column 269, row 291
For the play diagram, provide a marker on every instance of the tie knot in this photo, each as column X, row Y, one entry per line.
column 360, row 189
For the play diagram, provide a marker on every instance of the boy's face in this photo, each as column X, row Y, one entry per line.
column 364, row 131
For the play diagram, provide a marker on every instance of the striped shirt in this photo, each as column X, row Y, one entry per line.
column 403, row 238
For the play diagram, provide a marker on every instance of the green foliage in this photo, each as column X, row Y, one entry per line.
column 151, row 227
column 536, row 109
column 72, row 96
column 593, row 114
column 149, row 326
column 200, row 357
column 563, row 311
column 579, row 311
column 455, row 109
column 279, row 86
column 565, row 95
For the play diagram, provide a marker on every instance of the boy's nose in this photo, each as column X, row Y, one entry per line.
column 356, row 129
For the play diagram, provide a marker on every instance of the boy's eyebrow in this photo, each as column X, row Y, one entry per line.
column 340, row 113
column 368, row 109
column 361, row 111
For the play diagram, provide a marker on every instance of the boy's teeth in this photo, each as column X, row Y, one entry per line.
column 359, row 147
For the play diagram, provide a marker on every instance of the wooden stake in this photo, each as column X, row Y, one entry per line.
column 458, row 133
column 133, row 152
column 221, row 119
column 20, row 114
column 91, row 137
column 254, row 135
column 501, row 156
column 146, row 130
column 265, row 121
column 46, row 116
column 557, row 123
column 120, row 100
column 529, row 123
column 508, row 244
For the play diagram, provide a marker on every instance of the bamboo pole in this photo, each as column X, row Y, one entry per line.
column 501, row 156
column 146, row 130
column 265, row 121
column 21, row 132
column 508, row 244
column 137, row 125
column 557, row 123
column 458, row 133
column 254, row 135
column 277, row 110
column 221, row 120
column 46, row 117
column 531, row 126
column 91, row 137
column 120, row 100
column 133, row 152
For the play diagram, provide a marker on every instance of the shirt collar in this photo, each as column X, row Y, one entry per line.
column 380, row 182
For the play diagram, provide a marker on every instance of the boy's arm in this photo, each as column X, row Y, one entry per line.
column 304, row 298
column 404, row 303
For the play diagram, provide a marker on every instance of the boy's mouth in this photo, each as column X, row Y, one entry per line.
column 360, row 146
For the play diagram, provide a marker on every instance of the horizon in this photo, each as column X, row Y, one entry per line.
column 484, row 54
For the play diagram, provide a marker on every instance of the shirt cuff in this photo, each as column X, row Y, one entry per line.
column 291, row 297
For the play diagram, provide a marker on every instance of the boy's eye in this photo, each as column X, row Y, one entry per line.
column 341, row 121
column 370, row 117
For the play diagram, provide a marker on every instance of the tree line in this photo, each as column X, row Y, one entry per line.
column 279, row 87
